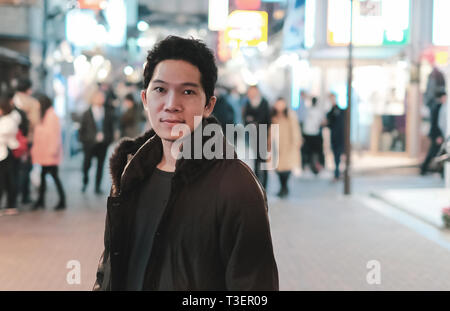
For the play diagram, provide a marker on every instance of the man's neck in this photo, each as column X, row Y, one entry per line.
column 168, row 160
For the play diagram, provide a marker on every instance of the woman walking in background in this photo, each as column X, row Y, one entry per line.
column 47, row 151
column 289, row 143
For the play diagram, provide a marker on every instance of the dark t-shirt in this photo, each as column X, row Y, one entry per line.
column 151, row 204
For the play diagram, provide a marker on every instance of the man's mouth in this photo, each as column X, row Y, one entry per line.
column 172, row 121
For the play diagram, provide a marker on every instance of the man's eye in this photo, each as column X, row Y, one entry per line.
column 189, row 92
column 158, row 89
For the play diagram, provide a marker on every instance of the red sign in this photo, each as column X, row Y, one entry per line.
column 90, row 4
column 247, row 4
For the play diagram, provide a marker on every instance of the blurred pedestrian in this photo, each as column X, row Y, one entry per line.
column 289, row 142
column 312, row 132
column 47, row 151
column 9, row 126
column 223, row 111
column 436, row 135
column 130, row 119
column 257, row 112
column 301, row 112
column 234, row 99
column 25, row 102
column 435, row 86
column 336, row 123
column 96, row 133
column 21, row 154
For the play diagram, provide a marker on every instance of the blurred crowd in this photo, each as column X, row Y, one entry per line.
column 31, row 135
column 299, row 141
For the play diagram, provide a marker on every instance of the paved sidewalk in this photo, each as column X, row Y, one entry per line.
column 322, row 239
column 426, row 204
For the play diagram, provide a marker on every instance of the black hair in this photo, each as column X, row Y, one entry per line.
column 24, row 84
column 314, row 101
column 45, row 103
column 192, row 51
column 130, row 97
column 285, row 111
column 439, row 94
column 5, row 102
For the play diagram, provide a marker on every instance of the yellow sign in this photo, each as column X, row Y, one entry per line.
column 247, row 28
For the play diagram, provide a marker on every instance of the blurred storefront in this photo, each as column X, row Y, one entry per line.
column 381, row 34
column 438, row 55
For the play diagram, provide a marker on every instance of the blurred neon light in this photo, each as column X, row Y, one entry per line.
column 217, row 15
column 310, row 20
column 83, row 30
column 247, row 27
column 441, row 22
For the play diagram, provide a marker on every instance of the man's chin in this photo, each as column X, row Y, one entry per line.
column 170, row 138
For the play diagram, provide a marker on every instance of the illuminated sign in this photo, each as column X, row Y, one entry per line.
column 85, row 28
column 223, row 50
column 217, row 15
column 248, row 4
column 248, row 27
column 375, row 22
column 91, row 4
column 441, row 22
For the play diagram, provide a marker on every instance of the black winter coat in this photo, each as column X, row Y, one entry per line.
column 214, row 233
column 336, row 123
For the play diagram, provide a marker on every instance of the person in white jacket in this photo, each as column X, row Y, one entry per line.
column 9, row 125
column 312, row 133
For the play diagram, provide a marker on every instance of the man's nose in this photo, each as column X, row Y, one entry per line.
column 172, row 102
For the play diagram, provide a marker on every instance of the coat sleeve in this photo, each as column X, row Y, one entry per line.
column 54, row 134
column 102, row 282
column 245, row 240
column 296, row 131
column 83, row 128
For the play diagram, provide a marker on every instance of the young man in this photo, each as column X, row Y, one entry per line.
column 183, row 224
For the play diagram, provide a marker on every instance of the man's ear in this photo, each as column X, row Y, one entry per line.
column 209, row 106
column 144, row 98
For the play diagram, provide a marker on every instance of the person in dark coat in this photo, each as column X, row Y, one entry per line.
column 223, row 111
column 187, row 223
column 131, row 118
column 336, row 123
column 435, row 85
column 96, row 134
column 257, row 111
column 436, row 135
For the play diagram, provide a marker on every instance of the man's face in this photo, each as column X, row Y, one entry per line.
column 252, row 93
column 98, row 99
column 175, row 96
column 333, row 99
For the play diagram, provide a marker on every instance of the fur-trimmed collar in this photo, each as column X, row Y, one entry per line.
column 134, row 159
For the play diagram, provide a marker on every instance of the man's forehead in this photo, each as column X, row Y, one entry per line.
column 176, row 71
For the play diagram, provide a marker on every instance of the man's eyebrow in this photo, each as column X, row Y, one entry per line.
column 193, row 84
